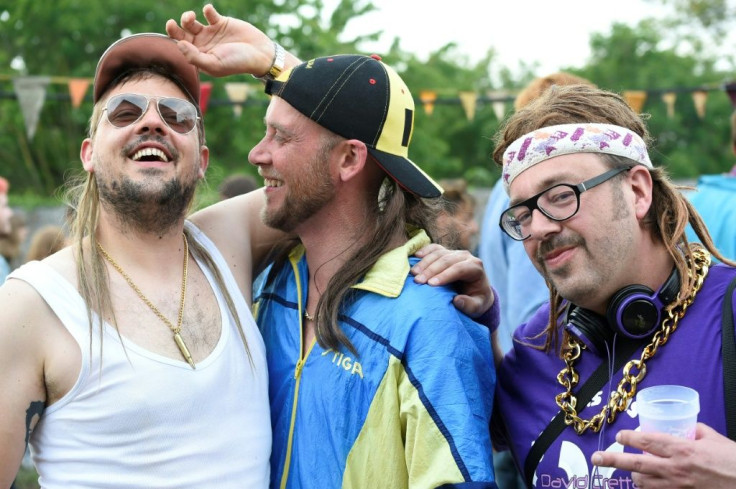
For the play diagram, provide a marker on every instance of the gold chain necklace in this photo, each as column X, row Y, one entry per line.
column 619, row 399
column 176, row 330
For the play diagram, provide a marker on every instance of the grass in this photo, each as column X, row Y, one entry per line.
column 27, row 478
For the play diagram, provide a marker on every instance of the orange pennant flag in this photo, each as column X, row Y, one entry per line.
column 428, row 98
column 699, row 98
column 469, row 101
column 669, row 99
column 77, row 90
column 635, row 99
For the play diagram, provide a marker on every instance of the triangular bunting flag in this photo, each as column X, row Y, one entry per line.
column 31, row 93
column 731, row 91
column 699, row 98
column 669, row 99
column 77, row 90
column 498, row 102
column 237, row 92
column 635, row 99
column 205, row 89
column 428, row 98
column 469, row 101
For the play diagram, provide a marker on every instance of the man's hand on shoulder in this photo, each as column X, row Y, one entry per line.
column 440, row 266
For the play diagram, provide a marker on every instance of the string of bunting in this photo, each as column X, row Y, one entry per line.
column 31, row 93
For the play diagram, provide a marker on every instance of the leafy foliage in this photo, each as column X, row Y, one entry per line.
column 66, row 38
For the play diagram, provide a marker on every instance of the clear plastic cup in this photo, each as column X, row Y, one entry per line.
column 671, row 409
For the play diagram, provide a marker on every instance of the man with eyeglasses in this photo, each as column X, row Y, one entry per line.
column 634, row 304
column 131, row 358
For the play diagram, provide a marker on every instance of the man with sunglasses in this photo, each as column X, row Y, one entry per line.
column 131, row 358
column 634, row 304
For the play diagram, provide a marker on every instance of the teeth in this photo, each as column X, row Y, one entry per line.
column 272, row 183
column 150, row 152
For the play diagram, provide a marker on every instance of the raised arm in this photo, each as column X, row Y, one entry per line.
column 225, row 45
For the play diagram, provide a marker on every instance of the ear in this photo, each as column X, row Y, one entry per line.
column 204, row 161
column 85, row 154
column 352, row 156
column 641, row 185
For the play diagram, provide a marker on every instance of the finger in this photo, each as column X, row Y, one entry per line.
column 428, row 254
column 462, row 267
column 660, row 444
column 190, row 23
column 631, row 462
column 195, row 56
column 428, row 249
column 442, row 269
column 703, row 430
column 471, row 306
column 212, row 15
column 173, row 30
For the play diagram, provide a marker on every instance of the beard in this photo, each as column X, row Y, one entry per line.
column 308, row 193
column 139, row 206
column 603, row 255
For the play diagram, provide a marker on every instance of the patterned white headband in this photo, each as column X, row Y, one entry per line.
column 551, row 141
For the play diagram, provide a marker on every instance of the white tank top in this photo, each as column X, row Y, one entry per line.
column 149, row 421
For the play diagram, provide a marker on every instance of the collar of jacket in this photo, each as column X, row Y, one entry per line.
column 388, row 275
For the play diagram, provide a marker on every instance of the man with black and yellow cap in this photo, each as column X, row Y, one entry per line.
column 374, row 380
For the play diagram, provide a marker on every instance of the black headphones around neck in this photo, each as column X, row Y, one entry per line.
column 635, row 312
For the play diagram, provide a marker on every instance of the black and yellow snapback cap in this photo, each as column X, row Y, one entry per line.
column 359, row 97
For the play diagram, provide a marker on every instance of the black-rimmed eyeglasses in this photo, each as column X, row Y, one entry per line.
column 127, row 108
column 559, row 202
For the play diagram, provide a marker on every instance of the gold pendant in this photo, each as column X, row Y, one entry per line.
column 183, row 349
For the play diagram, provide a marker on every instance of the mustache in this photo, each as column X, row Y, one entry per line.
column 555, row 242
column 128, row 148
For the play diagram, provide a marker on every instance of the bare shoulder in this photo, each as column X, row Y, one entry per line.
column 235, row 226
column 34, row 342
column 23, row 347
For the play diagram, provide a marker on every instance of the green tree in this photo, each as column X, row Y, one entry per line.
column 66, row 38
column 636, row 58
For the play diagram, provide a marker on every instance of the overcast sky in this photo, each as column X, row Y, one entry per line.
column 553, row 33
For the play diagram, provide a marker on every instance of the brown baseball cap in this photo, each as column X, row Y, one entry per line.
column 140, row 51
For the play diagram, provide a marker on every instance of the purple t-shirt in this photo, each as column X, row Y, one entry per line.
column 527, row 386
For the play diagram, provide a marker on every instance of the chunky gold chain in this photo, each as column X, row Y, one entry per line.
column 634, row 371
column 174, row 329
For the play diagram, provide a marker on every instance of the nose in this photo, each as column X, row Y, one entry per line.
column 258, row 155
column 151, row 120
column 542, row 226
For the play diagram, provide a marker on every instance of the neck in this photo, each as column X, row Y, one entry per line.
column 146, row 249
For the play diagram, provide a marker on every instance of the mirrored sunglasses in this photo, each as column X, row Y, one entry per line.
column 127, row 108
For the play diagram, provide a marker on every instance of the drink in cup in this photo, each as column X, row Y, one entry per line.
column 671, row 409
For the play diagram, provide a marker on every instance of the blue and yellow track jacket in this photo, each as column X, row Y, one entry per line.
column 411, row 411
